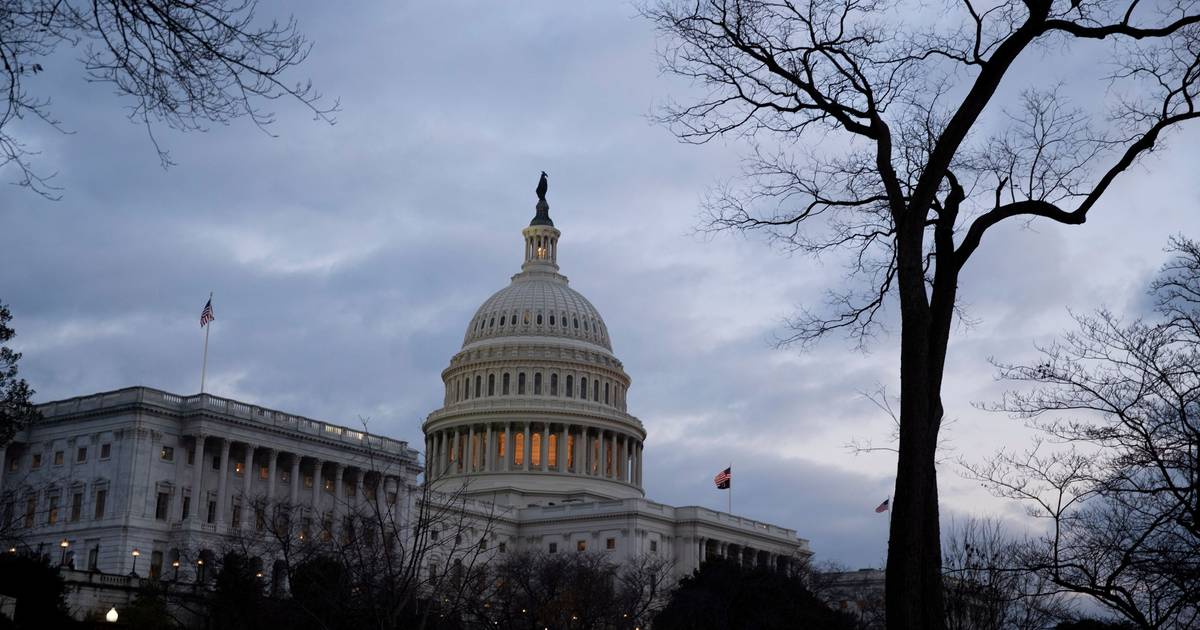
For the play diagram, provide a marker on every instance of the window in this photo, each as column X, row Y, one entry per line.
column 236, row 516
column 30, row 511
column 478, row 386
column 457, row 390
column 606, row 393
column 167, row 454
column 583, row 388
column 492, row 323
column 653, row 546
column 526, row 318
column 212, row 511
column 156, row 558
column 535, row 449
column 58, row 458
column 519, row 449
column 539, row 319
column 327, row 485
column 537, row 383
column 504, row 385
column 13, row 464
column 187, row 507
column 563, row 320
column 552, row 451
column 520, row 389
column 239, row 469
column 260, row 518
column 81, row 455
column 76, row 507
column 502, row 321
column 52, row 514
column 308, row 481
column 491, row 384
column 216, row 462
column 570, row 386
column 93, row 558
column 553, row 547
column 162, row 505
column 285, row 476
column 264, row 473
column 391, row 498
column 553, row 384
column 433, row 534
column 36, row 462
column 581, row 545
column 576, row 319
column 551, row 319
column 610, row 544
column 596, row 390
column 105, row 451
column 571, row 452
column 191, row 456
column 101, row 496
column 502, row 443
column 502, row 547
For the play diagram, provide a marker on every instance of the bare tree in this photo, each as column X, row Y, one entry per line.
column 871, row 139
column 1118, row 476
column 182, row 63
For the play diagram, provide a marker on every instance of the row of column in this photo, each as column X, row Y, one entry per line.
column 748, row 556
column 387, row 489
column 506, row 447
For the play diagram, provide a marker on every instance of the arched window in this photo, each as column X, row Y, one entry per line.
column 552, row 451
column 539, row 319
column 606, row 393
column 570, row 386
column 551, row 319
column 478, row 386
column 576, row 319
column 501, row 321
column 521, row 384
column 537, row 383
column 535, row 449
column 583, row 387
column 491, row 384
column 466, row 383
column 553, row 384
column 564, row 320
column 504, row 385
column 519, row 449
column 595, row 390
column 492, row 322
column 457, row 389
column 585, row 324
column 526, row 320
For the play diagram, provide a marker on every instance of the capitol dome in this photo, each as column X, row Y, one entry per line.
column 534, row 406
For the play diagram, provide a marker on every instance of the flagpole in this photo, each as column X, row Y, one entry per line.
column 731, row 487
column 204, row 365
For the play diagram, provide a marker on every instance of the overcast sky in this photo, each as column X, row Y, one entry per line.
column 346, row 260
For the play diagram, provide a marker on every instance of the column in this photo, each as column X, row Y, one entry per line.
column 613, row 456
column 223, row 483
column 359, row 497
column 489, row 451
column 316, row 489
column 470, row 459
column 703, row 550
column 381, row 498
column 579, row 450
column 339, row 496
column 545, row 446
column 197, row 479
column 508, row 447
column 455, row 454
column 272, row 458
column 562, row 449
column 526, row 442
column 619, row 459
column 177, row 497
column 294, row 498
column 247, row 472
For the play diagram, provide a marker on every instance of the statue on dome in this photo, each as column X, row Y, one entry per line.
column 542, row 187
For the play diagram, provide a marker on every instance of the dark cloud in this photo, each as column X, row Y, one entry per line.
column 346, row 260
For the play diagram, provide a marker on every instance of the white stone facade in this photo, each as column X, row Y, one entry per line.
column 534, row 420
column 172, row 476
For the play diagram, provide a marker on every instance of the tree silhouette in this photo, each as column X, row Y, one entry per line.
column 872, row 139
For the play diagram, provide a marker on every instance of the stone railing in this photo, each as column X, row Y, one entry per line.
column 226, row 407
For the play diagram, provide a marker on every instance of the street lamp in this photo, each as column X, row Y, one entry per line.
column 64, row 544
column 111, row 615
column 135, row 553
column 175, row 563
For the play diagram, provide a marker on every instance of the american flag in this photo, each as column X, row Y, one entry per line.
column 883, row 507
column 207, row 314
column 724, row 479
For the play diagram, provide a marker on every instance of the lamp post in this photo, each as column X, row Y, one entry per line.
column 135, row 553
column 175, row 564
column 200, row 569
column 62, row 562
column 111, row 615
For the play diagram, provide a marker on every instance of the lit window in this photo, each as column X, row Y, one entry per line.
column 167, row 454
column 58, row 458
column 610, row 544
column 581, row 545
column 525, row 320
column 239, row 468
column 308, row 481
column 535, row 450
column 329, row 485
column 52, row 514
column 264, row 473
column 36, row 462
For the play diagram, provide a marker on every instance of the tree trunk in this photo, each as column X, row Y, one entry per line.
column 914, row 594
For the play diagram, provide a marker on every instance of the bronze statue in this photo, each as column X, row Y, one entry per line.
column 542, row 187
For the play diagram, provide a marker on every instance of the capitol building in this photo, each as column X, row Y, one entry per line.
column 534, row 432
